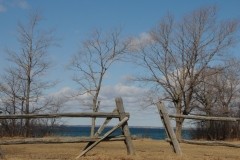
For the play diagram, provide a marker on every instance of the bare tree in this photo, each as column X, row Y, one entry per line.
column 10, row 89
column 223, row 89
column 227, row 85
column 97, row 53
column 30, row 65
column 219, row 88
column 179, row 52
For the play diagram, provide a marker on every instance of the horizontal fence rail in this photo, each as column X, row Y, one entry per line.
column 118, row 112
column 208, row 143
column 59, row 140
column 205, row 118
column 56, row 115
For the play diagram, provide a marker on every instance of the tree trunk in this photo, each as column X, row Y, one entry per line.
column 93, row 126
column 27, row 125
column 93, row 119
column 209, row 123
column 179, row 123
column 13, row 120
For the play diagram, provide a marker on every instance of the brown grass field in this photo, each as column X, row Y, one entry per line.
column 145, row 149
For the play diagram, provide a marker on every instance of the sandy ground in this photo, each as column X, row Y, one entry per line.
column 145, row 149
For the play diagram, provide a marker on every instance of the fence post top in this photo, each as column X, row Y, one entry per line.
column 118, row 99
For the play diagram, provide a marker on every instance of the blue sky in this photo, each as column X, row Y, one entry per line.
column 74, row 19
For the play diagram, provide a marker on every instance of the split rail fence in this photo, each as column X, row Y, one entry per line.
column 174, row 142
column 118, row 112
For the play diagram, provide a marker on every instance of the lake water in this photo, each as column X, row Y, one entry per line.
column 142, row 132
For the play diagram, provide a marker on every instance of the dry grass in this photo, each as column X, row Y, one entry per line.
column 146, row 149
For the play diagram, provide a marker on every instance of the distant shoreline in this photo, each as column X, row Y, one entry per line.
column 154, row 127
column 157, row 133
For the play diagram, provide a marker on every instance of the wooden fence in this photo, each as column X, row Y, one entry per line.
column 118, row 112
column 168, row 128
column 172, row 137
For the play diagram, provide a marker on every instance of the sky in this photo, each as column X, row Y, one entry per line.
column 74, row 19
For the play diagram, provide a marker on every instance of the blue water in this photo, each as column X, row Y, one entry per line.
column 153, row 133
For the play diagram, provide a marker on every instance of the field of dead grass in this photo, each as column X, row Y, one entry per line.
column 145, row 149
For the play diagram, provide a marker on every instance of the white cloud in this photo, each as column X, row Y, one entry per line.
column 130, row 95
column 120, row 90
column 22, row 4
column 2, row 8
column 127, row 79
column 144, row 38
column 107, row 76
column 12, row 4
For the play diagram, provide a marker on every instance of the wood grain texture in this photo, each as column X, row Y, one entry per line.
column 204, row 118
column 105, row 135
column 125, row 128
column 55, row 115
column 168, row 128
column 58, row 140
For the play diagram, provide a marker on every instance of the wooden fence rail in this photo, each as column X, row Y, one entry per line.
column 204, row 117
column 208, row 143
column 56, row 115
column 172, row 137
column 118, row 112
column 168, row 128
column 58, row 140
column 105, row 136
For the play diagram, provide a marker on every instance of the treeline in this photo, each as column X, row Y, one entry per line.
column 23, row 82
column 188, row 62
column 218, row 95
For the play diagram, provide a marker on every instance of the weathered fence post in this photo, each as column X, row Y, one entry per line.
column 168, row 128
column 124, row 120
column 101, row 128
column 125, row 129
column 118, row 112
column 1, row 153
